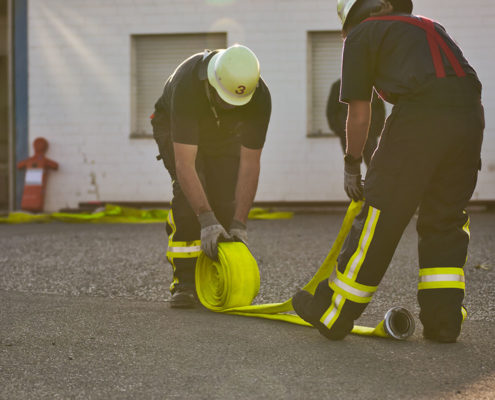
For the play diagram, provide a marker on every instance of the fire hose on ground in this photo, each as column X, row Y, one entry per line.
column 231, row 284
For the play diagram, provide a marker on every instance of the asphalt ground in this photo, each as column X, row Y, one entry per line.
column 84, row 315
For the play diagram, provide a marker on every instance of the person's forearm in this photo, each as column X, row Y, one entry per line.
column 358, row 123
column 247, row 184
column 192, row 188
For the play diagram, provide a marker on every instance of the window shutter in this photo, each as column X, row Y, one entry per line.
column 154, row 58
column 325, row 63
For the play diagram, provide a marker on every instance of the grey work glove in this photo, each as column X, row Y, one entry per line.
column 238, row 230
column 211, row 232
column 352, row 178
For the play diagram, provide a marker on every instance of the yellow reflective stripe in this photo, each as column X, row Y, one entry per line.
column 441, row 271
column 333, row 312
column 357, row 259
column 352, row 290
column 441, row 285
column 465, row 228
column 174, row 283
column 183, row 255
column 441, row 278
column 171, row 222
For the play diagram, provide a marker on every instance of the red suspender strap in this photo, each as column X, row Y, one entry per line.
column 446, row 49
column 434, row 40
column 431, row 35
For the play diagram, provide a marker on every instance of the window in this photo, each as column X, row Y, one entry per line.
column 324, row 62
column 154, row 58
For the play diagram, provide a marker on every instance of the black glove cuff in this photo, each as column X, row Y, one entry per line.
column 351, row 160
column 352, row 165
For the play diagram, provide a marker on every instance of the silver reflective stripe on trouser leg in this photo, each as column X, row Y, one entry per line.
column 344, row 284
column 441, row 278
column 191, row 249
column 352, row 290
column 345, row 289
column 444, row 278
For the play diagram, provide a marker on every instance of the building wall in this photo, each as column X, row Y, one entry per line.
column 80, row 90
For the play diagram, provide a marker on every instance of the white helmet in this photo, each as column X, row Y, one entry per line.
column 234, row 73
column 343, row 8
column 364, row 8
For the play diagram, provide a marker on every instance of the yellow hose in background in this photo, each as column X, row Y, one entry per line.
column 115, row 214
column 231, row 284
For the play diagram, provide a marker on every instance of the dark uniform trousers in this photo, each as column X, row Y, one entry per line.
column 428, row 157
column 218, row 175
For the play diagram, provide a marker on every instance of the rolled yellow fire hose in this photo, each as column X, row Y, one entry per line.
column 231, row 284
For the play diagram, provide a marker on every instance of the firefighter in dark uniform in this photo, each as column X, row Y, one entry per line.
column 210, row 126
column 337, row 117
column 428, row 157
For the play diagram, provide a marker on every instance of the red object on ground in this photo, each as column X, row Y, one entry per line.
column 36, row 168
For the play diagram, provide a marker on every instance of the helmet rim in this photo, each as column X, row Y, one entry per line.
column 343, row 9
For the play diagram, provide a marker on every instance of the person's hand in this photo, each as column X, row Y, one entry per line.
column 211, row 232
column 352, row 178
column 238, row 230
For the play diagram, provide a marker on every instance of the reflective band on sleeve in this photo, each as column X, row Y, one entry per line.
column 441, row 278
column 352, row 290
column 333, row 312
column 357, row 259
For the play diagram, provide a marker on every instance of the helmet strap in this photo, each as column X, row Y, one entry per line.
column 212, row 106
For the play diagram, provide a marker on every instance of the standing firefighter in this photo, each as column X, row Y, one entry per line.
column 428, row 157
column 210, row 126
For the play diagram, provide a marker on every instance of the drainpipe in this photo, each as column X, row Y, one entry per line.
column 10, row 107
column 20, row 82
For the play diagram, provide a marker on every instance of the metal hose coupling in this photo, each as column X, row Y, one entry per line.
column 399, row 323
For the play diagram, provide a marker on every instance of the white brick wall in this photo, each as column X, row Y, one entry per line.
column 79, row 90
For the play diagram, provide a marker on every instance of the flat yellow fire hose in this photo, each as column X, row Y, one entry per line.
column 115, row 214
column 230, row 285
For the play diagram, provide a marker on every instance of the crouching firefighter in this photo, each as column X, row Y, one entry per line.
column 428, row 157
column 210, row 125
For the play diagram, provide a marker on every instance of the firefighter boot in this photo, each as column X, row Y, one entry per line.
column 183, row 296
column 311, row 308
column 444, row 331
